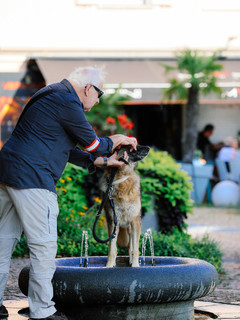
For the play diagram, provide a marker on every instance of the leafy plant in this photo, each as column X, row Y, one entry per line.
column 108, row 117
column 76, row 216
column 78, row 200
column 163, row 181
column 181, row 244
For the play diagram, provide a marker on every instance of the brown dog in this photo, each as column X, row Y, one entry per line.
column 127, row 202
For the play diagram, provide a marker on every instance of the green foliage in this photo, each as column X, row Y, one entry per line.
column 21, row 249
column 75, row 216
column 180, row 244
column 104, row 117
column 162, row 180
column 199, row 73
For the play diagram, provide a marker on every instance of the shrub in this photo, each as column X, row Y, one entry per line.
column 75, row 217
column 108, row 117
column 162, row 180
column 177, row 244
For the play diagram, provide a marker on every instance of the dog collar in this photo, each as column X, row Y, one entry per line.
column 119, row 180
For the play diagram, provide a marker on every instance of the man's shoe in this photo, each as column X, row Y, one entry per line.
column 3, row 312
column 56, row 316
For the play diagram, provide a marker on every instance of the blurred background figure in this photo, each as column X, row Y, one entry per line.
column 228, row 152
column 209, row 150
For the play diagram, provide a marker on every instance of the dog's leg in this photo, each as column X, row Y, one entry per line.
column 130, row 246
column 135, row 236
column 112, row 250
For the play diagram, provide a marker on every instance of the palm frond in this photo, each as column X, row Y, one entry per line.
column 194, row 62
column 167, row 67
column 211, row 86
column 177, row 89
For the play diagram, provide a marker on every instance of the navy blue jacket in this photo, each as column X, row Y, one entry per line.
column 46, row 138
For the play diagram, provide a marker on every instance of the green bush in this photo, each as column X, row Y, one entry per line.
column 181, row 244
column 75, row 216
column 177, row 244
column 162, row 180
column 108, row 116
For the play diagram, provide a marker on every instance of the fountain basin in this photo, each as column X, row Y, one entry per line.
column 172, row 286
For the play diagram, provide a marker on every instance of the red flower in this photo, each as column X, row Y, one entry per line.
column 124, row 122
column 128, row 125
column 110, row 120
column 122, row 119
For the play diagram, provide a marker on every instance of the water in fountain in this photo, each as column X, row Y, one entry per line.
column 84, row 243
column 148, row 236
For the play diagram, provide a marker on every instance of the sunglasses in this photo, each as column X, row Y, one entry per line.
column 100, row 92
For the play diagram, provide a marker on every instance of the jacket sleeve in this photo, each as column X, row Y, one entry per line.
column 82, row 159
column 76, row 125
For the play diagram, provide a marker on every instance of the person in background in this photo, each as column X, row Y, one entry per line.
column 238, row 138
column 228, row 152
column 52, row 131
column 208, row 149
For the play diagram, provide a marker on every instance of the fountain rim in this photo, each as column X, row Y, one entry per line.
column 150, row 284
column 161, row 262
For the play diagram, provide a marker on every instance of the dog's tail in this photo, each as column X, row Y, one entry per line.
column 123, row 238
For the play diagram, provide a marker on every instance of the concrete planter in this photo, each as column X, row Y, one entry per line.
column 167, row 289
column 200, row 177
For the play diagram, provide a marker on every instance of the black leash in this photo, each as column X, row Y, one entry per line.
column 105, row 198
column 108, row 195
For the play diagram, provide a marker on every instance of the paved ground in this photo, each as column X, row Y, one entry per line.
column 12, row 291
column 222, row 225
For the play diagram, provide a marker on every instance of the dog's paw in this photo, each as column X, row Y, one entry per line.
column 135, row 264
column 110, row 265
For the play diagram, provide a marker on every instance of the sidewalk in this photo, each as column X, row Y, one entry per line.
column 223, row 226
column 203, row 310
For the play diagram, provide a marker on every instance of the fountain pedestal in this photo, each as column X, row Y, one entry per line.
column 165, row 291
column 183, row 310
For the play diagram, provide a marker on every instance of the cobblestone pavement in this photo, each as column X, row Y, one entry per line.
column 223, row 225
column 12, row 291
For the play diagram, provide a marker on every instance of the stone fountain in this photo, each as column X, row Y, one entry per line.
column 163, row 288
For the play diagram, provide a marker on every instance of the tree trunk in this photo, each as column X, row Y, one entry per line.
column 190, row 133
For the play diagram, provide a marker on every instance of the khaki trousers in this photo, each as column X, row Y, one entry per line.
column 35, row 212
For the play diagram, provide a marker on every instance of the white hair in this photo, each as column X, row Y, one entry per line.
column 230, row 142
column 87, row 75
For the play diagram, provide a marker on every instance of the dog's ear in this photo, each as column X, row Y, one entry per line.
column 139, row 154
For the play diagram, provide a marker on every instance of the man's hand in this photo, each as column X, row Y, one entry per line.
column 111, row 161
column 121, row 140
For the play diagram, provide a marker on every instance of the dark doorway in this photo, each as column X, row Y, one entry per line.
column 159, row 126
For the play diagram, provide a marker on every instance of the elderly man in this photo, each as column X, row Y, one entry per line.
column 51, row 127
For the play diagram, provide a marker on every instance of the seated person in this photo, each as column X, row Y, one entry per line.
column 228, row 152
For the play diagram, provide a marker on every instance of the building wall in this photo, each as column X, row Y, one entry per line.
column 117, row 27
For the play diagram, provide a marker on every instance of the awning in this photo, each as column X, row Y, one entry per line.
column 142, row 79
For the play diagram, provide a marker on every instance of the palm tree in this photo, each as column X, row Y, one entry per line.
column 199, row 78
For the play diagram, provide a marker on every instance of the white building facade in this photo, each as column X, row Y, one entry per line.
column 128, row 37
